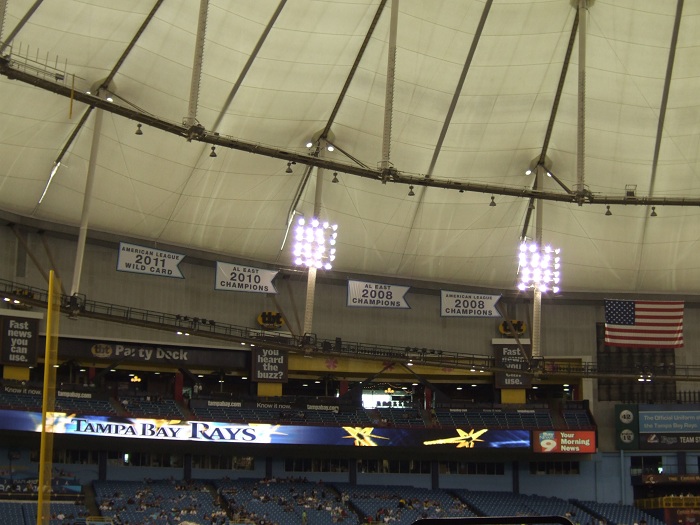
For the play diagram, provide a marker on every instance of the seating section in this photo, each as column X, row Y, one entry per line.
column 95, row 407
column 618, row 514
column 25, row 513
column 401, row 505
column 70, row 405
column 24, row 402
column 508, row 504
column 158, row 503
column 535, row 418
column 285, row 501
column 151, row 409
column 344, row 417
column 401, row 417
column 577, row 419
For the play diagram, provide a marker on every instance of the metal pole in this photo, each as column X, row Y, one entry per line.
column 537, row 296
column 87, row 200
column 581, row 140
column 197, row 64
column 311, row 277
column 390, row 77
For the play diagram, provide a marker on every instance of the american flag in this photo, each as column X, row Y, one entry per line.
column 644, row 324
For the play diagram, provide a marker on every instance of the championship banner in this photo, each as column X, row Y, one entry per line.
column 461, row 304
column 151, row 261
column 237, row 278
column 376, row 295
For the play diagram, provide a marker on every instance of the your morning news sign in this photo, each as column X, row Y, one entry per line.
column 149, row 261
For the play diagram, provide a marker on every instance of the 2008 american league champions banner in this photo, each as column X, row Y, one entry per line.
column 463, row 304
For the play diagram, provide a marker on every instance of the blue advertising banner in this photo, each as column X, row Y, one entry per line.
column 206, row 431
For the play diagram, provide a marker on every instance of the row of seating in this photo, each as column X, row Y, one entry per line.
column 281, row 501
column 538, row 418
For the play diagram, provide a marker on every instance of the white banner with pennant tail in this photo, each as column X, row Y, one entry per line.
column 461, row 304
column 376, row 295
column 237, row 278
column 149, row 261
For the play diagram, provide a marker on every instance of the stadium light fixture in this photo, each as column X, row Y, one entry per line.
column 539, row 267
column 314, row 244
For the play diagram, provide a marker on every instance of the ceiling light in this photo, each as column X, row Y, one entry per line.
column 314, row 244
column 213, row 152
column 549, row 173
column 538, row 267
column 459, row 388
column 653, row 211
column 607, row 210
column 410, row 191
column 110, row 99
column 289, row 167
column 309, row 144
column 528, row 171
column 330, row 148
column 7, row 299
column 493, row 202
column 335, row 177
column 138, row 129
column 244, row 377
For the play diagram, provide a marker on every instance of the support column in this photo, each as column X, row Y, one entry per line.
column 87, row 201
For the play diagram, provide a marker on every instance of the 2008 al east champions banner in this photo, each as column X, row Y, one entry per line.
column 461, row 304
column 376, row 295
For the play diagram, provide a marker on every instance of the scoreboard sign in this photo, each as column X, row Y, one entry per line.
column 19, row 341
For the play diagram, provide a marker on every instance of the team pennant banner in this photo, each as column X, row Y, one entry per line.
column 461, row 304
column 376, row 295
column 150, row 261
column 237, row 278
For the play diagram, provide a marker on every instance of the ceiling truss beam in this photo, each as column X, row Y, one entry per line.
column 14, row 71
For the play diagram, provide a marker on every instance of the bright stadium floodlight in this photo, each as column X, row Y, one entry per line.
column 538, row 267
column 314, row 244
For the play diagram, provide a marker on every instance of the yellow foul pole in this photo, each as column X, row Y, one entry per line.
column 47, row 410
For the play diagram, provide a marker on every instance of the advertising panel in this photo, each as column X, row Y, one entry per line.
column 19, row 340
column 564, row 441
column 217, row 432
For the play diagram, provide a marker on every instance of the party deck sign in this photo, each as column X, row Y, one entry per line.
column 150, row 261
column 376, row 295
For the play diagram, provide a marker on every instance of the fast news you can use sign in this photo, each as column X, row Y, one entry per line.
column 18, row 340
column 376, row 295
column 461, row 304
column 149, row 261
column 237, row 278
